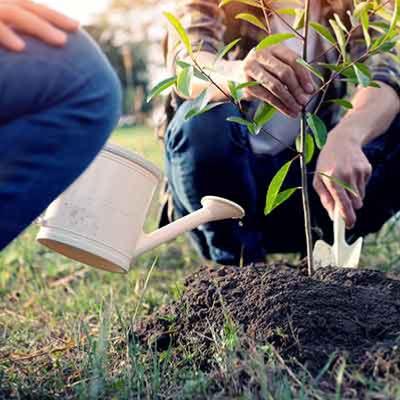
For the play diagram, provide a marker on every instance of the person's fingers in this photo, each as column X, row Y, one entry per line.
column 357, row 201
column 364, row 179
column 273, row 85
column 26, row 22
column 260, row 93
column 327, row 200
column 290, row 57
column 285, row 73
column 10, row 40
column 343, row 201
column 361, row 185
column 55, row 18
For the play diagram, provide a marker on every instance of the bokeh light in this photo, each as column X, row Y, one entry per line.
column 81, row 10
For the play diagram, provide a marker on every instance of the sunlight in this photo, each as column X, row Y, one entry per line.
column 81, row 10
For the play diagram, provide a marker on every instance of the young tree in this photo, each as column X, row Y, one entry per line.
column 378, row 37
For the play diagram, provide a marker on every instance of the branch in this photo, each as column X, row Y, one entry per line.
column 266, row 16
column 303, row 158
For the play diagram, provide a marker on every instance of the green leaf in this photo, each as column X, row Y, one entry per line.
column 247, row 2
column 287, row 11
column 388, row 46
column 225, row 50
column 363, row 75
column 310, row 147
column 251, row 126
column 275, row 187
column 283, row 197
column 194, row 112
column 312, row 69
column 341, row 183
column 318, row 128
column 247, row 84
column 263, row 114
column 233, row 90
column 184, row 81
column 160, row 87
column 251, row 19
column 361, row 8
column 272, row 40
column 323, row 31
column 375, row 84
column 199, row 103
column 379, row 26
column 364, row 18
column 342, row 103
column 381, row 43
column 395, row 17
column 340, row 37
column 197, row 73
column 340, row 23
column 181, row 31
column 299, row 20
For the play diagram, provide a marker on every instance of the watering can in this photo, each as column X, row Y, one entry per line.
column 99, row 219
column 340, row 254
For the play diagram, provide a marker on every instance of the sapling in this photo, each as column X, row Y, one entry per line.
column 377, row 37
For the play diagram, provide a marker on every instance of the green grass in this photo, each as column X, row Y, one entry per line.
column 142, row 140
column 64, row 327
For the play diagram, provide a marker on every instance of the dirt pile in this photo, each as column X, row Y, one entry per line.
column 351, row 312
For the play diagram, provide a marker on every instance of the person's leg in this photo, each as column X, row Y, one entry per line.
column 57, row 109
column 208, row 155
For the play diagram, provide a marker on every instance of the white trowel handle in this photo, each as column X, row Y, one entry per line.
column 339, row 235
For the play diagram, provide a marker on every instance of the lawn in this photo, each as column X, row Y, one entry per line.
column 65, row 328
column 52, row 310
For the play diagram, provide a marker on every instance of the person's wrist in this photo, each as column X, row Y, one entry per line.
column 351, row 131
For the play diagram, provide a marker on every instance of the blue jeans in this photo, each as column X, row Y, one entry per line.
column 57, row 109
column 210, row 156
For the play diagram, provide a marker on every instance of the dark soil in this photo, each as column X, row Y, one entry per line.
column 355, row 313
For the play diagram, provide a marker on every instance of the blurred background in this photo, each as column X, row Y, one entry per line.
column 130, row 33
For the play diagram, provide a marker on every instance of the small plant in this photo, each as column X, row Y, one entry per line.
column 378, row 37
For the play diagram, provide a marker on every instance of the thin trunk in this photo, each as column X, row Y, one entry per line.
column 303, row 158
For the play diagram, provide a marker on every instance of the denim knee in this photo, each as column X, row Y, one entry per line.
column 102, row 94
column 83, row 84
column 208, row 137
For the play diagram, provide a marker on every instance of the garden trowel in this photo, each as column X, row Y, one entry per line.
column 340, row 254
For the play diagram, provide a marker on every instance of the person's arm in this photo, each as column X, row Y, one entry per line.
column 374, row 109
column 284, row 83
column 34, row 20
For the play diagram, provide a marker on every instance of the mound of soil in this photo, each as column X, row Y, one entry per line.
column 352, row 312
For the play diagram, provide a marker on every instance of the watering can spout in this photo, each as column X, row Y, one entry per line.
column 214, row 209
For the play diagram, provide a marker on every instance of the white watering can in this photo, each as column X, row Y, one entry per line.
column 99, row 220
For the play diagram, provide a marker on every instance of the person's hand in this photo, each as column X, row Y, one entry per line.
column 25, row 16
column 342, row 158
column 284, row 83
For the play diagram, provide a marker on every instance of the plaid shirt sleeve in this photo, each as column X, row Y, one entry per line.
column 204, row 23
column 384, row 67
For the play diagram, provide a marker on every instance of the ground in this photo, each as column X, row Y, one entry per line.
column 65, row 329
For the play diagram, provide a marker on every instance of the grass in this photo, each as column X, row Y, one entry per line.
column 65, row 328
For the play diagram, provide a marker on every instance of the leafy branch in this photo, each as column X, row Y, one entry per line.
column 355, row 71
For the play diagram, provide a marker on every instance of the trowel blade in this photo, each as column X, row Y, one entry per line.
column 352, row 255
column 323, row 255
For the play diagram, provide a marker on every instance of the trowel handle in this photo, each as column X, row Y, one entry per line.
column 339, row 229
